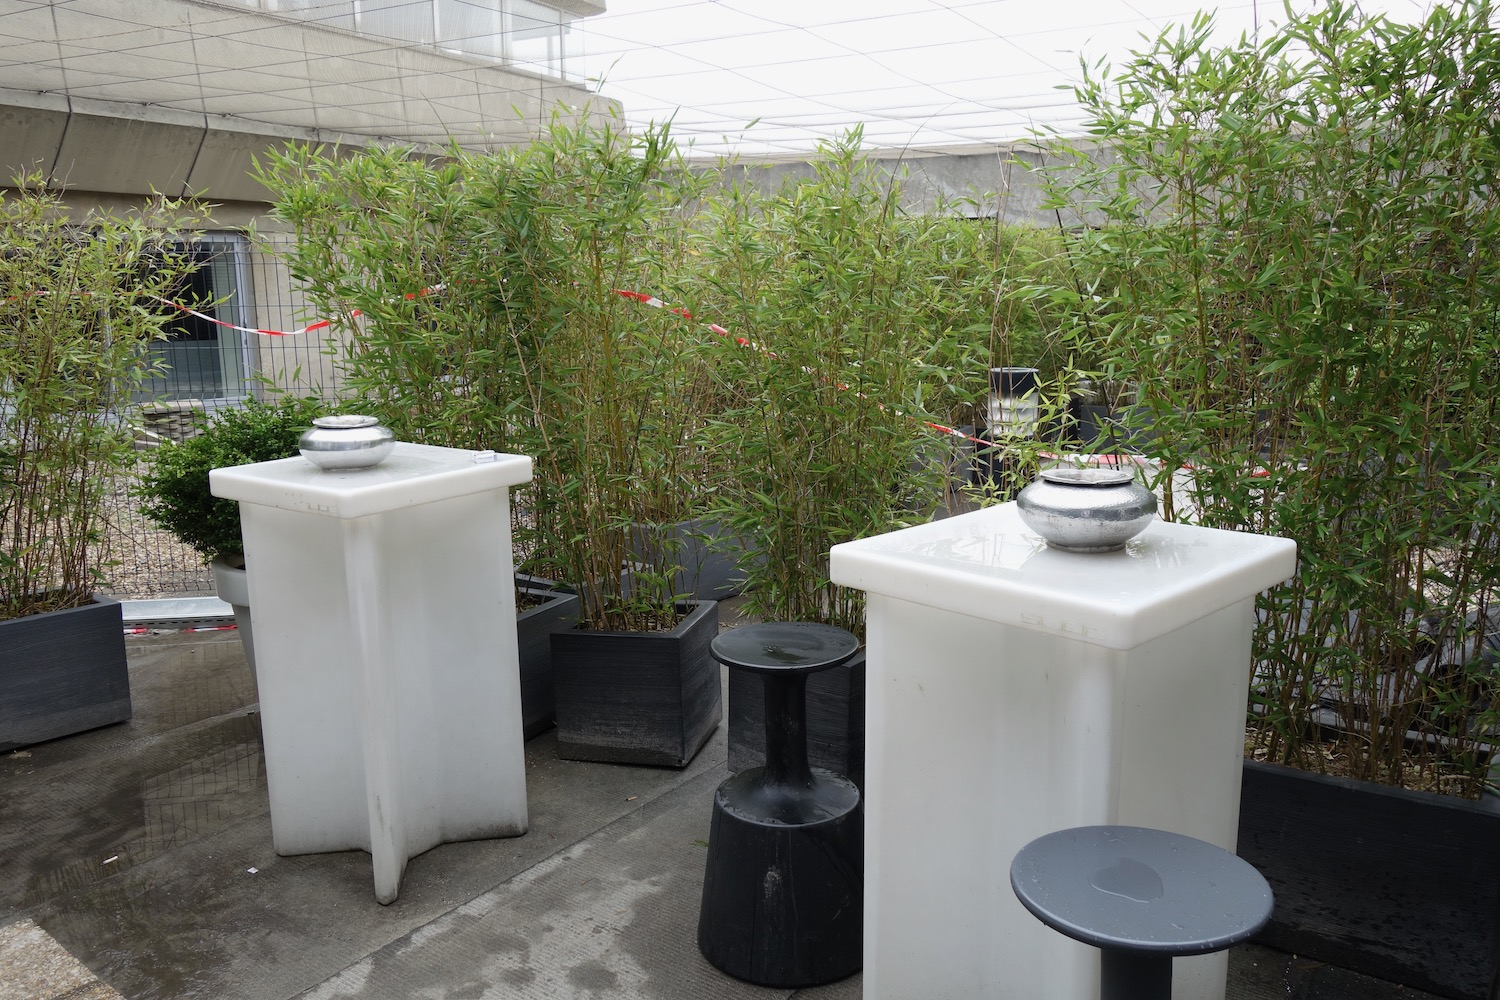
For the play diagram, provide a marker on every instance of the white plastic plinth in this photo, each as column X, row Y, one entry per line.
column 386, row 659
column 1014, row 690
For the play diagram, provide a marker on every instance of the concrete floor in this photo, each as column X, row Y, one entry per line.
column 136, row 862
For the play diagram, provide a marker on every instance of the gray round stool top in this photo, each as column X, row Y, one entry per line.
column 1140, row 890
column 772, row 647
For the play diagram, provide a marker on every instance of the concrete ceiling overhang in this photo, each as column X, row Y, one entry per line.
column 180, row 96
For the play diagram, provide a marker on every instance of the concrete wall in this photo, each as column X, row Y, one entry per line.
column 222, row 62
column 114, row 100
column 997, row 181
column 179, row 96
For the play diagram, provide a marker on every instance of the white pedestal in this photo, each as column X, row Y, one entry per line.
column 386, row 655
column 1014, row 690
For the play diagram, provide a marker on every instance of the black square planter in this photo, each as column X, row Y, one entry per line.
column 709, row 560
column 62, row 672
column 1399, row 885
column 556, row 611
column 835, row 720
column 638, row 697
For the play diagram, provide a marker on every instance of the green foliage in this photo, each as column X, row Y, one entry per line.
column 389, row 248
column 1298, row 261
column 79, row 306
column 173, row 489
column 851, row 308
column 617, row 388
column 980, row 310
column 479, row 299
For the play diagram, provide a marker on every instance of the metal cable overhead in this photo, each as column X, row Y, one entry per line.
column 759, row 77
column 916, row 73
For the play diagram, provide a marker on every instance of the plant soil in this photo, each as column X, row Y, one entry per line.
column 53, row 600
column 1419, row 773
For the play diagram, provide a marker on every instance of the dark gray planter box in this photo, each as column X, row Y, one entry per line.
column 557, row 612
column 835, row 720
column 710, row 560
column 1399, row 885
column 62, row 673
column 638, row 697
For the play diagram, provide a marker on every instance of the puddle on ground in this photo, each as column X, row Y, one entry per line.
column 222, row 785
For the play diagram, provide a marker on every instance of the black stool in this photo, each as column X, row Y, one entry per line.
column 1142, row 897
column 783, row 896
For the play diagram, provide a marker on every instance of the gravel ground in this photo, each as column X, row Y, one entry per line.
column 149, row 562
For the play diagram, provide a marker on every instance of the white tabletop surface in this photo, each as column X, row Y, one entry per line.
column 987, row 564
column 413, row 474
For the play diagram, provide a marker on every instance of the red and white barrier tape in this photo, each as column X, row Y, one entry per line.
column 1106, row 459
column 657, row 303
column 321, row 324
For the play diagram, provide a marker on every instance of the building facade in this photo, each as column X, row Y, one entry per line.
column 113, row 100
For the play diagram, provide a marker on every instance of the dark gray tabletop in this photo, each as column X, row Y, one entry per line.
column 1142, row 890
column 773, row 647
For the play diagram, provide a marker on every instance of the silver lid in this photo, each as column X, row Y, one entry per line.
column 344, row 422
column 1088, row 476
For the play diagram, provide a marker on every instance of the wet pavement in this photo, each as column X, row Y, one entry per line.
column 136, row 862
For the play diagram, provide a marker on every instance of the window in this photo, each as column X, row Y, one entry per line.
column 537, row 34
column 205, row 360
column 407, row 20
column 524, row 32
column 335, row 13
column 471, row 26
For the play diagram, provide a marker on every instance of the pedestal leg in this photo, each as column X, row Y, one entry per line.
column 786, row 730
column 379, row 731
column 1132, row 976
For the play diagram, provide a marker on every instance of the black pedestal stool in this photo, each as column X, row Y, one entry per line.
column 783, row 895
column 1142, row 897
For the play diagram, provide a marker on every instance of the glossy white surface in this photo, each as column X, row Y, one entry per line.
column 385, row 653
column 1013, row 691
column 413, row 474
column 988, row 564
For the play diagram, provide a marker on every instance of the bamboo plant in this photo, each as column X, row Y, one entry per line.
column 1298, row 266
column 833, row 290
column 80, row 304
column 478, row 302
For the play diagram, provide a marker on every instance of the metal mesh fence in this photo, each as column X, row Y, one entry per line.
column 145, row 560
column 214, row 363
column 298, row 363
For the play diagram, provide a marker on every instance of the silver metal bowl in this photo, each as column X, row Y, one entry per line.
column 346, row 442
column 1088, row 509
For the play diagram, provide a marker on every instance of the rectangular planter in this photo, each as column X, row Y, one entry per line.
column 557, row 612
column 835, row 720
column 1399, row 885
column 709, row 559
column 62, row 673
column 638, row 697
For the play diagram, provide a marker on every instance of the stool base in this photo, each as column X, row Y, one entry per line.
column 1125, row 975
column 783, row 903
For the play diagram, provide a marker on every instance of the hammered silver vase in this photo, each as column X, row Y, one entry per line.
column 1088, row 509
column 346, row 441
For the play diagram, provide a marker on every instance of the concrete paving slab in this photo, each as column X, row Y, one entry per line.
column 33, row 966
column 198, row 923
column 615, row 914
column 141, row 854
